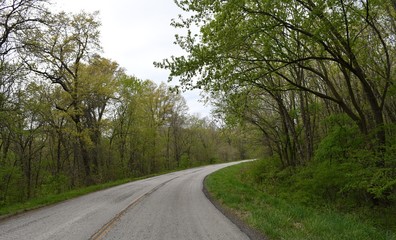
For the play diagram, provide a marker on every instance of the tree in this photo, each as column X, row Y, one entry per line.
column 175, row 132
column 307, row 46
column 151, row 121
column 57, row 52
column 98, row 82
column 15, row 17
column 76, row 118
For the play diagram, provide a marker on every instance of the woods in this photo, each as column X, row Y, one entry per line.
column 315, row 78
column 307, row 84
column 71, row 118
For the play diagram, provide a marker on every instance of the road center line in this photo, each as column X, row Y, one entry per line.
column 109, row 225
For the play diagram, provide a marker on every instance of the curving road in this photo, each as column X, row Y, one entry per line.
column 170, row 206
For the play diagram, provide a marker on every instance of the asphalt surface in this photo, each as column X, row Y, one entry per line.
column 170, row 206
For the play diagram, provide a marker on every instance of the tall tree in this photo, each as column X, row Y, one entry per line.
column 98, row 83
column 57, row 52
column 15, row 17
column 310, row 46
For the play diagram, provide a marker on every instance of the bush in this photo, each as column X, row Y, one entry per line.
column 345, row 174
column 344, row 171
column 342, row 141
column 54, row 184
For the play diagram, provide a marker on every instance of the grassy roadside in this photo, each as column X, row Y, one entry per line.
column 43, row 201
column 281, row 219
column 55, row 198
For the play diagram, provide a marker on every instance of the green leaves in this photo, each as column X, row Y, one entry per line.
column 315, row 51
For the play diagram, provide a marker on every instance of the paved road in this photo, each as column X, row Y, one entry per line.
column 170, row 206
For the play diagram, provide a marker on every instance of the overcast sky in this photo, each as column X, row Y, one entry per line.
column 135, row 33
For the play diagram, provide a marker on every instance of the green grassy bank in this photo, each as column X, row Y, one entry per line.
column 42, row 201
column 281, row 214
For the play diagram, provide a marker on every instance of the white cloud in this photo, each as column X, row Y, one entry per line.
column 135, row 33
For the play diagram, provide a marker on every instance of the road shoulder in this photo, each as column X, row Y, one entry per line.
column 251, row 232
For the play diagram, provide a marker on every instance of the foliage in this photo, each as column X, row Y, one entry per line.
column 337, row 145
column 70, row 118
column 273, row 64
column 52, row 197
column 308, row 83
column 313, row 80
column 347, row 187
column 282, row 217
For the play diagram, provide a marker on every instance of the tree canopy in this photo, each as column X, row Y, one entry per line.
column 70, row 117
column 299, row 71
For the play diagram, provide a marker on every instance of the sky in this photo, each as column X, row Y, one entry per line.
column 135, row 33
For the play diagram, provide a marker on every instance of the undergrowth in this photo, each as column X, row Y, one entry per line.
column 285, row 204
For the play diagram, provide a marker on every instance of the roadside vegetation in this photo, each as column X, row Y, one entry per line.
column 280, row 208
column 52, row 198
column 45, row 200
column 313, row 82
column 70, row 118
column 309, row 84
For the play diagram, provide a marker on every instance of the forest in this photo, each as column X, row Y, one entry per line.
column 307, row 84
column 71, row 118
column 316, row 79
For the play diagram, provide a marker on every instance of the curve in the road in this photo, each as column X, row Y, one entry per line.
column 170, row 206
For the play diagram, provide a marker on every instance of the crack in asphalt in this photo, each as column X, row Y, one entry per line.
column 110, row 224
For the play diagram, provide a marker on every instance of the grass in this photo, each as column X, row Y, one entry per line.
column 55, row 198
column 42, row 201
column 278, row 218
